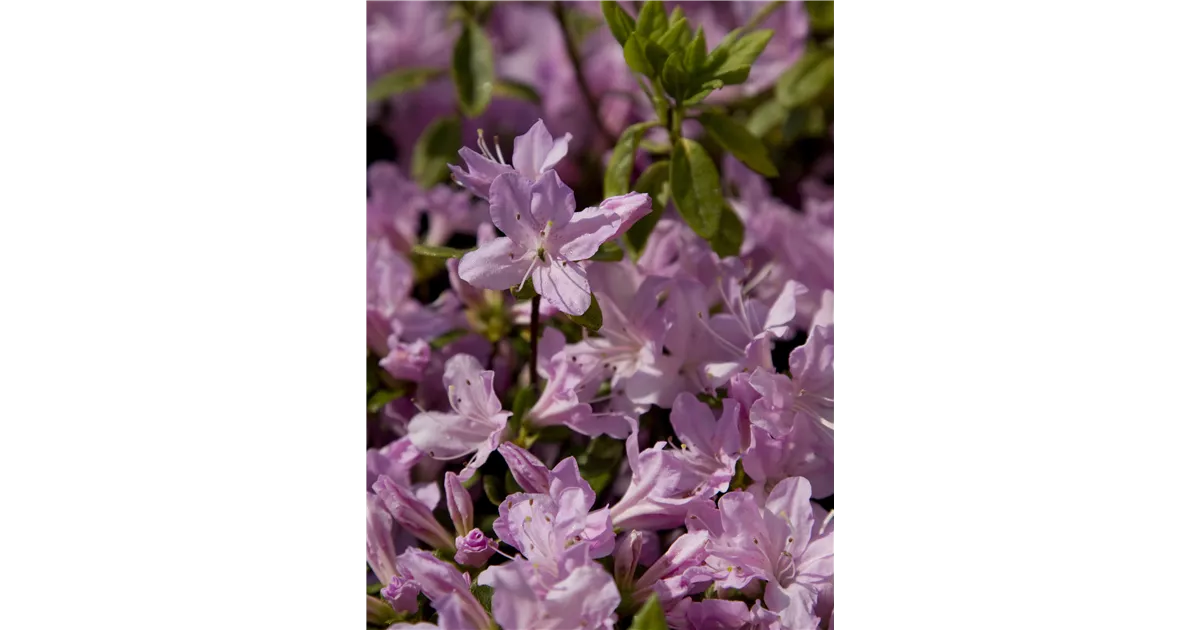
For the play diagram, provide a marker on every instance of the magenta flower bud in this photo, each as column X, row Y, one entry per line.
column 474, row 549
column 411, row 514
column 462, row 510
column 401, row 593
column 530, row 473
column 625, row 561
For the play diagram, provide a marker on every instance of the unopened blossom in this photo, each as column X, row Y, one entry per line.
column 534, row 153
column 381, row 550
column 545, row 238
column 475, row 422
column 680, row 572
column 458, row 502
column 410, row 514
column 773, row 542
column 448, row 591
column 473, row 549
column 628, row 553
column 709, row 445
column 401, row 592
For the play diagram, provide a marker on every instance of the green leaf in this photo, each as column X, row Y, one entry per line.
column 517, row 91
column 766, row 117
column 381, row 398
column 728, row 239
column 705, row 89
column 696, row 187
column 820, row 16
column 745, row 49
column 472, row 69
column 484, row 595
column 652, row 19
column 654, row 182
column 599, row 461
column 523, row 291
column 399, row 82
column 620, row 165
column 608, row 252
column 635, row 55
column 650, row 617
column 438, row 251
column 437, row 146
column 697, row 53
column 619, row 22
column 735, row 139
column 805, row 122
column 493, row 487
column 807, row 79
column 675, row 78
column 592, row 319
column 675, row 37
column 523, row 402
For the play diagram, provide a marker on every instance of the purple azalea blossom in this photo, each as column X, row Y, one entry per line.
column 773, row 542
column 529, row 596
column 680, row 572
column 709, row 446
column 545, row 526
column 534, row 153
column 545, row 238
column 559, row 403
column 405, row 361
column 662, row 490
column 475, row 423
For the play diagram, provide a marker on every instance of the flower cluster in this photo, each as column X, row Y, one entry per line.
column 581, row 416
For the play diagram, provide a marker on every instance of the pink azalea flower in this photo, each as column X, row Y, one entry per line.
column 773, row 542
column 709, row 446
column 545, row 238
column 475, row 423
column 534, row 153
column 662, row 490
column 411, row 514
column 530, row 597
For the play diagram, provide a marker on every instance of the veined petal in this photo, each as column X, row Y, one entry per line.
column 495, row 265
column 531, row 149
column 509, row 199
column 582, row 236
column 564, row 285
column 443, row 435
column 631, row 207
column 551, row 200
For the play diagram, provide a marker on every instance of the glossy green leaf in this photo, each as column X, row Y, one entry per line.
column 635, row 55
column 696, row 54
column 619, row 22
column 731, row 60
column 399, row 82
column 706, row 88
column 654, row 182
column 472, row 69
column 620, row 165
column 436, row 147
column 806, row 79
column 728, row 239
column 696, row 187
column 675, row 78
column 437, row 251
column 676, row 36
column 652, row 19
column 592, row 319
column 608, row 252
column 650, row 617
column 516, row 90
column 734, row 138
column 483, row 594
column 599, row 461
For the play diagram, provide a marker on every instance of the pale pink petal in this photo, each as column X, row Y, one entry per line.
column 508, row 202
column 557, row 152
column 582, row 236
column 531, row 149
column 564, row 285
column 630, row 207
column 551, row 200
column 496, row 265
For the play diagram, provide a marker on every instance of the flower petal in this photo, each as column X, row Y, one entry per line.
column 582, row 237
column 531, row 149
column 564, row 285
column 551, row 200
column 496, row 265
column 509, row 199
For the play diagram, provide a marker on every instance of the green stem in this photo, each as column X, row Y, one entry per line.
column 762, row 14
